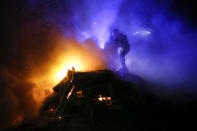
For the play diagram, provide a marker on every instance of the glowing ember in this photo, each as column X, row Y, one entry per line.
column 79, row 94
column 67, row 54
column 59, row 118
column 71, row 91
column 106, row 100
column 51, row 109
column 101, row 98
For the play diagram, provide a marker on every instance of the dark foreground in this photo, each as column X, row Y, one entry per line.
column 133, row 108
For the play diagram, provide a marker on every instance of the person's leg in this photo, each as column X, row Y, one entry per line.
column 122, row 59
column 123, row 64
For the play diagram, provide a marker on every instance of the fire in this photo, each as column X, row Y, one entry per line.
column 51, row 109
column 67, row 54
column 61, row 72
column 71, row 91
column 101, row 98
column 78, row 56
column 106, row 100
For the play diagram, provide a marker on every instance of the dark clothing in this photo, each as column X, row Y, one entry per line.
column 117, row 40
column 122, row 41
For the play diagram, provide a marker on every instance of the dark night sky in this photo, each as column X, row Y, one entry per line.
column 186, row 9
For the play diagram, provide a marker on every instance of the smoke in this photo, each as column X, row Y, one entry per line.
column 93, row 19
column 33, row 51
column 162, row 45
column 17, row 103
column 26, row 47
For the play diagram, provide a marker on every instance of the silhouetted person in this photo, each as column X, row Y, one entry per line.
column 117, row 47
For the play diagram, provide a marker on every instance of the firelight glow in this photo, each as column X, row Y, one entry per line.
column 62, row 71
column 77, row 56
column 67, row 54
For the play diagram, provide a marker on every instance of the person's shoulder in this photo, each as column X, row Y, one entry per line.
column 123, row 35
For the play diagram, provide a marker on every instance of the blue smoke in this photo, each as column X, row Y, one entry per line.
column 163, row 48
column 94, row 18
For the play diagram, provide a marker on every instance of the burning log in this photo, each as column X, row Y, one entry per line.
column 107, row 100
column 82, row 85
column 89, row 84
column 88, row 91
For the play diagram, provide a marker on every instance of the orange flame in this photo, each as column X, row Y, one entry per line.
column 101, row 98
column 66, row 55
column 71, row 91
